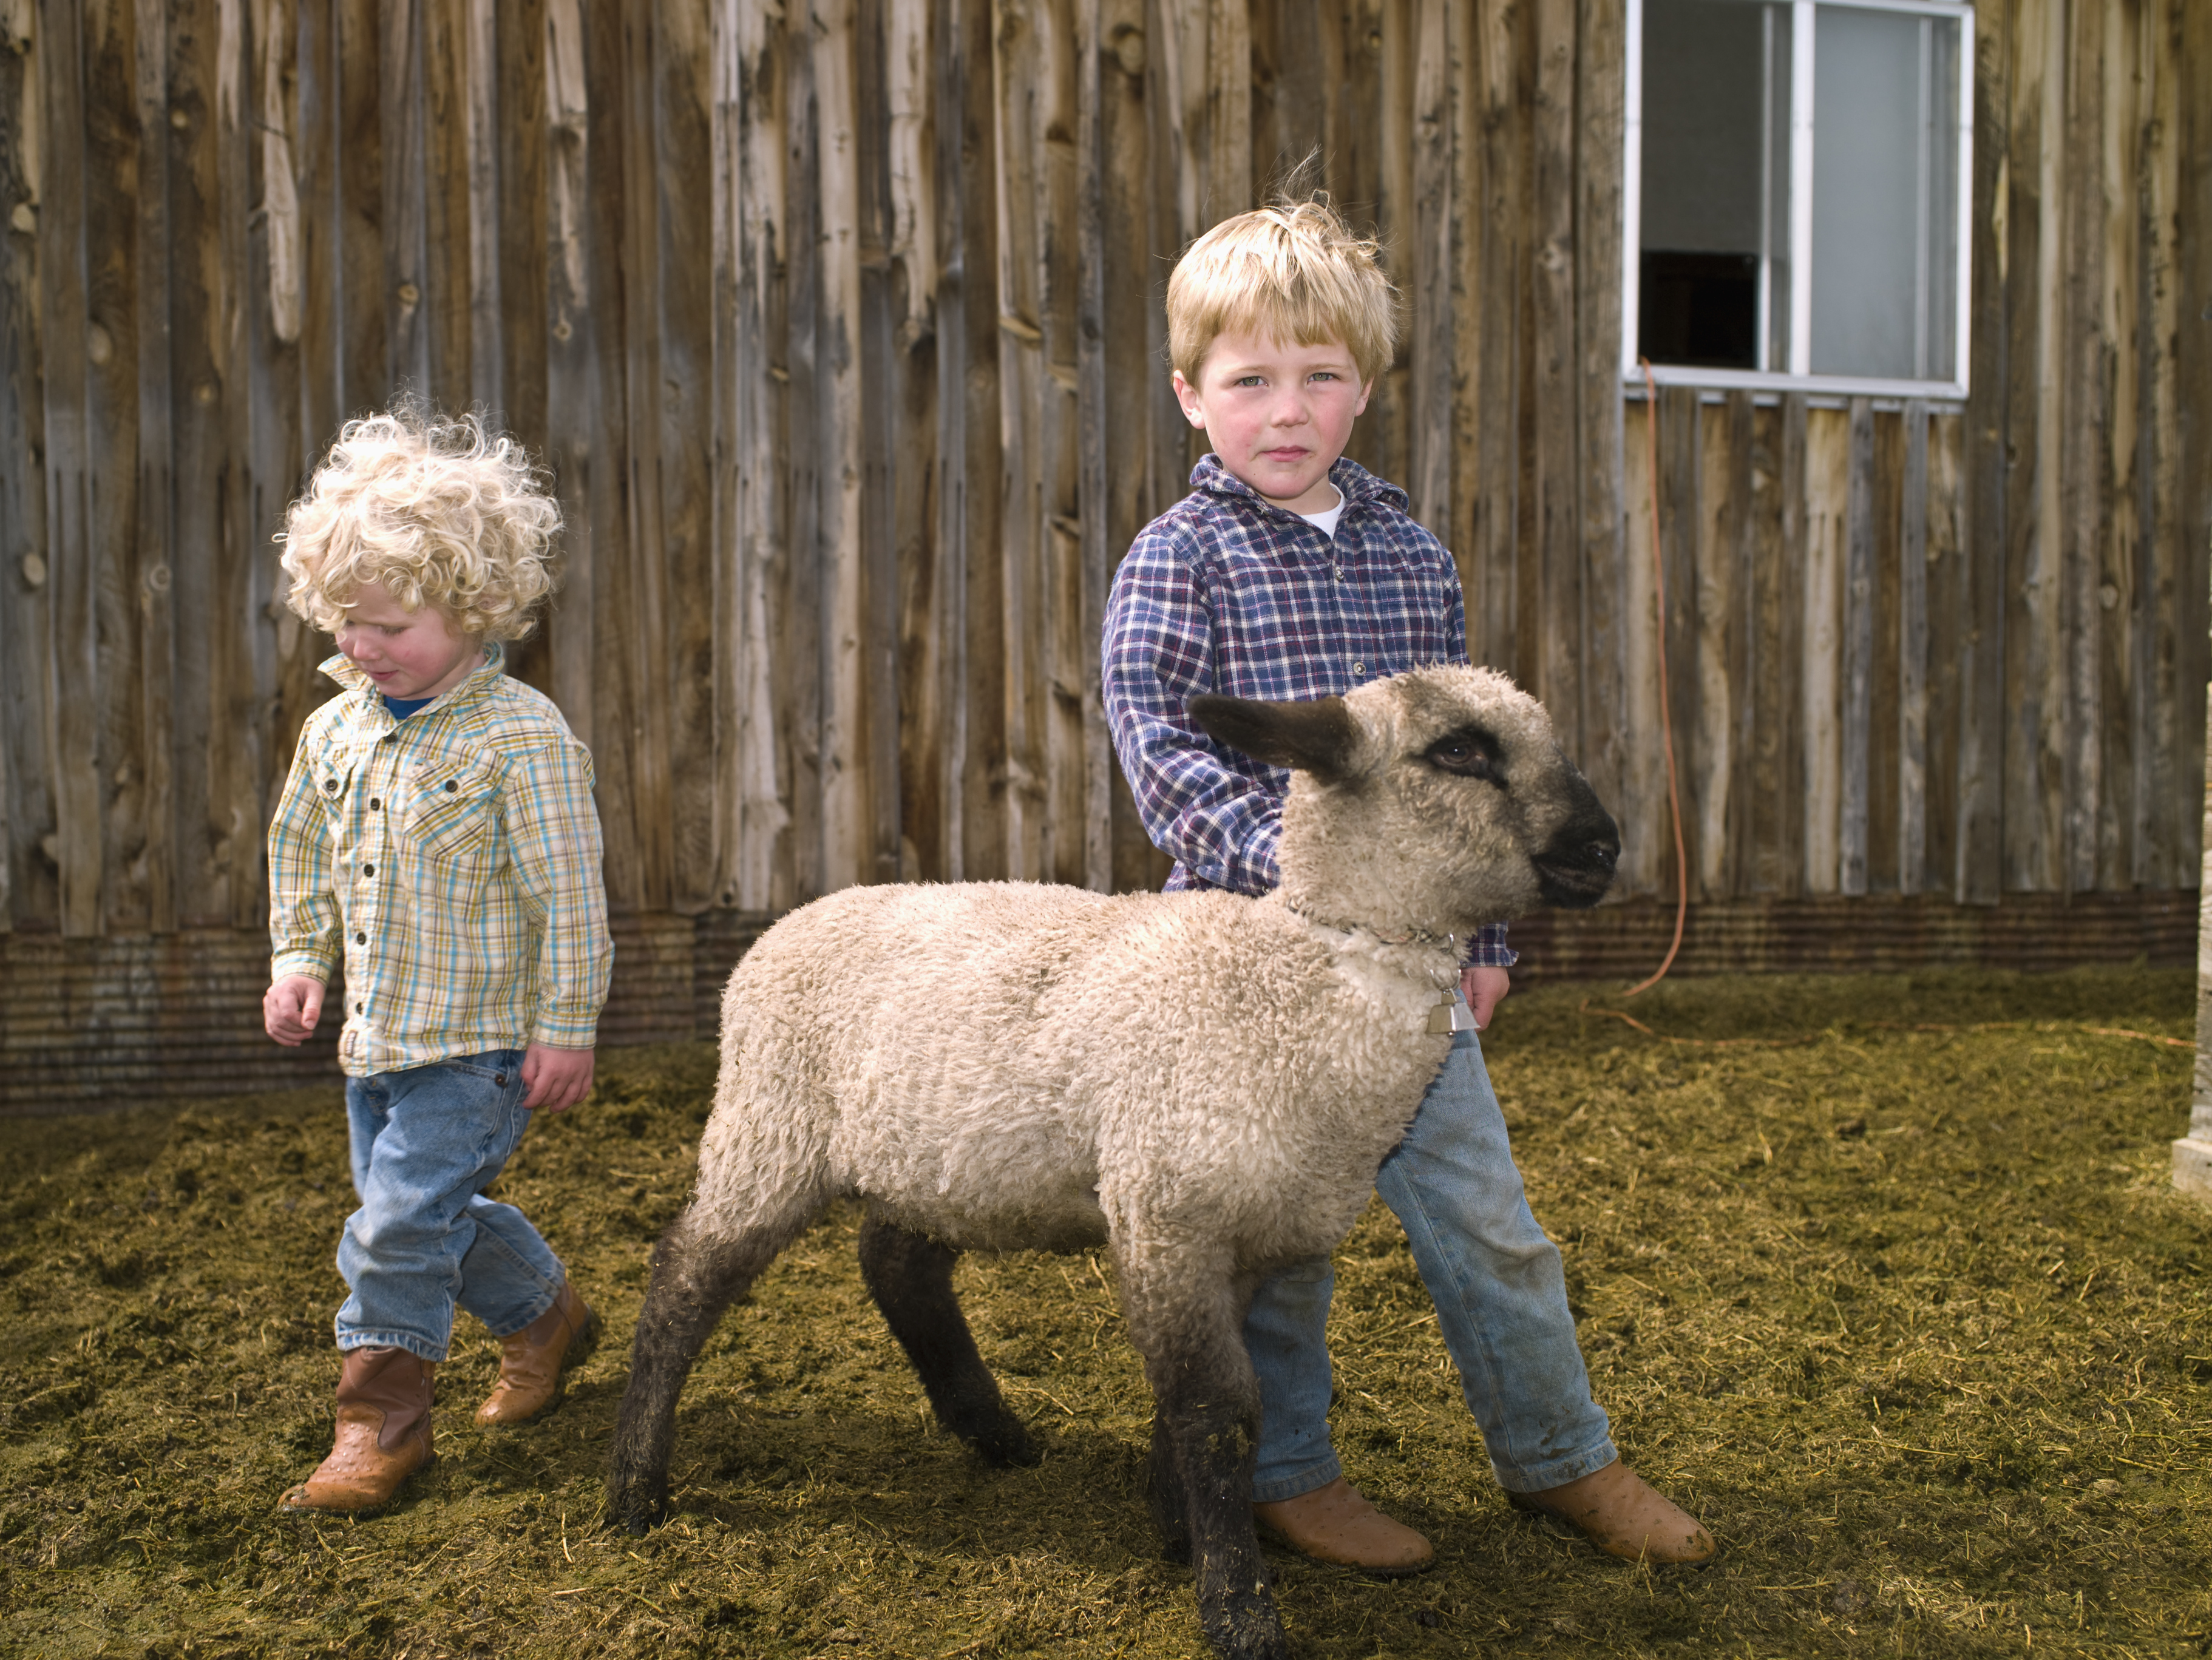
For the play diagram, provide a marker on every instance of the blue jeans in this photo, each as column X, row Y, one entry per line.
column 426, row 1143
column 1501, row 1300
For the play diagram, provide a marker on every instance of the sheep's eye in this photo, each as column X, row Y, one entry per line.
column 1469, row 754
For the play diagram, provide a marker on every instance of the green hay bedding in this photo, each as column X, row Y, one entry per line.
column 1911, row 1318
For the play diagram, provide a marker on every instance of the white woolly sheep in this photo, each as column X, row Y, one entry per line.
column 1204, row 1083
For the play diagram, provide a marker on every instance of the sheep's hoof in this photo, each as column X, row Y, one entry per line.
column 1245, row 1627
column 1005, row 1445
column 637, row 1513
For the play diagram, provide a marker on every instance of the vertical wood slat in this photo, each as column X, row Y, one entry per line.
column 23, row 500
column 267, row 423
column 1600, row 114
column 1789, row 642
column 2084, row 818
column 2148, row 204
column 568, row 343
column 751, row 817
column 1742, row 644
column 1711, row 603
column 2190, row 432
column 1554, row 484
column 404, row 194
column 69, row 650
column 1681, row 463
column 1646, row 841
column 1091, row 433
column 1828, row 475
column 1975, row 875
column 112, row 403
column 680, row 312
column 1857, row 641
column 1504, row 555
column 1947, row 653
column 908, row 707
column 1021, row 67
column 1911, row 784
column 1885, row 671
column 2035, row 665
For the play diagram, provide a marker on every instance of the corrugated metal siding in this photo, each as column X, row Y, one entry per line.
column 2035, row 932
column 90, row 1024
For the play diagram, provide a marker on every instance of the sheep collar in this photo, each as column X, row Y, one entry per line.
column 1360, row 939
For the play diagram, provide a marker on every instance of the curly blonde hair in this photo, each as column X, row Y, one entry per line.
column 442, row 512
column 1293, row 270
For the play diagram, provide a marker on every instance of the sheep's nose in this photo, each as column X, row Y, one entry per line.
column 1577, row 866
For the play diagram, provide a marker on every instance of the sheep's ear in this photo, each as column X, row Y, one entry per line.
column 1319, row 737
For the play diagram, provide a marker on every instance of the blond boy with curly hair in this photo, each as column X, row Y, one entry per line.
column 437, row 837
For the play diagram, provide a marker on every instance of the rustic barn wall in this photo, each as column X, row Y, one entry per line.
column 838, row 325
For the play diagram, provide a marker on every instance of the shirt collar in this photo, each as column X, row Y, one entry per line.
column 1353, row 481
column 370, row 701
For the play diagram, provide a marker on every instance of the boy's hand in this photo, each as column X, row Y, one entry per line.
column 290, row 1008
column 557, row 1078
column 1485, row 988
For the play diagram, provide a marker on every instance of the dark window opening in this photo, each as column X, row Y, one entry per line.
column 1700, row 310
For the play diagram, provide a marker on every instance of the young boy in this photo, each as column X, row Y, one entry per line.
column 1291, row 573
column 437, row 832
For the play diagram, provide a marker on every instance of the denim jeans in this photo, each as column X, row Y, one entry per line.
column 1501, row 1298
column 426, row 1143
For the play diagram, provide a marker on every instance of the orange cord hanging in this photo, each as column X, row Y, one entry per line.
column 1666, row 712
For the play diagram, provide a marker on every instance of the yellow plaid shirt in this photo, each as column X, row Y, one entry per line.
column 453, row 858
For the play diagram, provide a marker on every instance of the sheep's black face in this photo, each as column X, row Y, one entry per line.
column 1575, row 866
column 1431, row 802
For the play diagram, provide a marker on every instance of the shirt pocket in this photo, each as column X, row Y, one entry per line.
column 452, row 807
column 333, row 773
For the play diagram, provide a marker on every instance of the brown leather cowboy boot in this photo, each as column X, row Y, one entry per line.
column 1335, row 1523
column 1623, row 1515
column 384, row 1432
column 530, row 1360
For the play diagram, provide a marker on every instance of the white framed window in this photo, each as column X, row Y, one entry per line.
column 1797, row 190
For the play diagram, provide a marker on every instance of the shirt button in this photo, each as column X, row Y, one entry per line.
column 361, row 939
column 369, row 870
column 375, row 805
column 453, row 786
column 1360, row 668
column 332, row 785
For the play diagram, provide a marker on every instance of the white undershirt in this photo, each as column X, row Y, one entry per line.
column 1327, row 520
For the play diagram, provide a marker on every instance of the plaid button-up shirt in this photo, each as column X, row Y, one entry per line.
column 1225, row 593
column 453, row 860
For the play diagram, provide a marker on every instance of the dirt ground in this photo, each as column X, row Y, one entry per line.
column 1912, row 1317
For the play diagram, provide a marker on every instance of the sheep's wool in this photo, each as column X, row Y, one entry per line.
column 1211, row 1079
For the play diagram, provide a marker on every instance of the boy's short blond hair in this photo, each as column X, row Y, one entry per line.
column 442, row 512
column 1292, row 271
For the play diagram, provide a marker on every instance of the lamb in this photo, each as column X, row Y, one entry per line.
column 1204, row 1083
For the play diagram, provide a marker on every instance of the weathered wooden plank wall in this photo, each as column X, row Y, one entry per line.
column 838, row 324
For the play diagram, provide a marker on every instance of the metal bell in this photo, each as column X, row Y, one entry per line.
column 1451, row 1014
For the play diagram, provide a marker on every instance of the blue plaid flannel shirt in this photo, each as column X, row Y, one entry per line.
column 1224, row 593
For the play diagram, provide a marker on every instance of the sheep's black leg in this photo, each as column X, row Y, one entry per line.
column 910, row 1276
column 1187, row 1315
column 696, row 1275
column 1164, row 1490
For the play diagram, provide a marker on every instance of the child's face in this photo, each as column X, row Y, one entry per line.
column 408, row 653
column 1278, row 415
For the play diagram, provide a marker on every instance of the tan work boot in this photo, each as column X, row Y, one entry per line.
column 530, row 1360
column 384, row 1432
column 1623, row 1515
column 1334, row 1524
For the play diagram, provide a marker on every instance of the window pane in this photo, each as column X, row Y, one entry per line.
column 1708, row 233
column 1885, row 160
